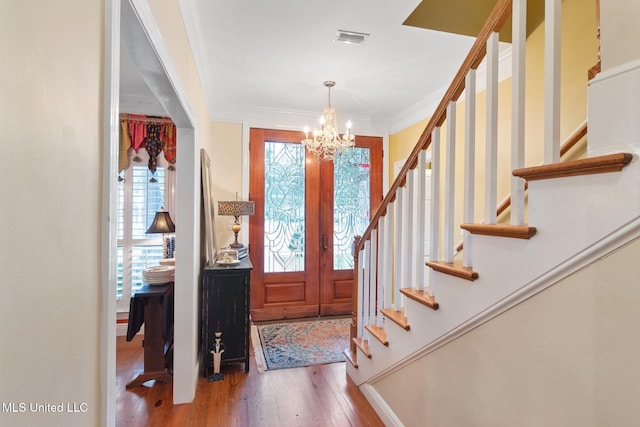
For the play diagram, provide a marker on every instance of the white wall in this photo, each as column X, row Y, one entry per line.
column 50, row 196
column 566, row 357
column 620, row 33
column 614, row 94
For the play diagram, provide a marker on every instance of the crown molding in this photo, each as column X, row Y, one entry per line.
column 190, row 13
column 281, row 119
column 294, row 120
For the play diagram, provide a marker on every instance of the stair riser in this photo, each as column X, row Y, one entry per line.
column 507, row 266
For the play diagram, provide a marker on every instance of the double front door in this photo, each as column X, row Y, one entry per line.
column 307, row 212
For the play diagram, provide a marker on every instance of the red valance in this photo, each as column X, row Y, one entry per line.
column 154, row 134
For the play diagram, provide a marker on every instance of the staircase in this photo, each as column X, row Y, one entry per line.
column 576, row 212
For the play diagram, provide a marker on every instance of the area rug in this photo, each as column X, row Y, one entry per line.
column 300, row 343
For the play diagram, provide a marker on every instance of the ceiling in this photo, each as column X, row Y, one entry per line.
column 270, row 58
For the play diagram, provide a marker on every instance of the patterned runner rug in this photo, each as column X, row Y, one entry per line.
column 299, row 343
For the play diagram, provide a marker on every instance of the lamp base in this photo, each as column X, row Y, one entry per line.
column 242, row 249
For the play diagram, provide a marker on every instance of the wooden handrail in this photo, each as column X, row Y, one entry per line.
column 499, row 15
column 567, row 145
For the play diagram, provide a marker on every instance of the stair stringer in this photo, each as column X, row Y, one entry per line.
column 402, row 343
column 578, row 219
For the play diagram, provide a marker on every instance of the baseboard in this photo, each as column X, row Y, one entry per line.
column 383, row 410
column 121, row 329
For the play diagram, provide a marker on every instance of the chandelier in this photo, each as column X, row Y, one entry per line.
column 327, row 143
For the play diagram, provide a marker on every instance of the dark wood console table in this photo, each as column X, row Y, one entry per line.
column 225, row 308
column 153, row 306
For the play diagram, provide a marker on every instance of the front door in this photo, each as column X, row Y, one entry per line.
column 307, row 212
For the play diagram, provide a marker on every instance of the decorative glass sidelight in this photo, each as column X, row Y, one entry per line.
column 284, row 207
column 351, row 208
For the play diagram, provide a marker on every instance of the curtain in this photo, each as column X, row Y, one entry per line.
column 153, row 134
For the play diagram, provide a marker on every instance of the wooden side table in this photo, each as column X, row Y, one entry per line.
column 225, row 308
column 153, row 306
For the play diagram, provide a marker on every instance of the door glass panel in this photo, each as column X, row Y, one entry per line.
column 351, row 203
column 284, row 206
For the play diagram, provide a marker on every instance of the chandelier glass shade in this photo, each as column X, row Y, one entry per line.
column 327, row 143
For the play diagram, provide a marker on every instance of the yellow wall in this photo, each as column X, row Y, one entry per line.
column 223, row 141
column 227, row 175
column 579, row 48
column 51, row 87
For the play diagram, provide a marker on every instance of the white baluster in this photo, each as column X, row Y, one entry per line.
column 361, row 262
column 450, row 184
column 366, row 288
column 491, row 164
column 373, row 278
column 397, row 271
column 381, row 272
column 409, row 253
column 434, row 233
column 388, row 250
column 552, row 42
column 469, row 164
column 420, row 220
column 518, row 45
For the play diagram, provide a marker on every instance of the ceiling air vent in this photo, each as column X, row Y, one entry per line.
column 350, row 37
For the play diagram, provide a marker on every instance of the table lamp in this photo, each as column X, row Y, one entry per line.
column 162, row 223
column 236, row 209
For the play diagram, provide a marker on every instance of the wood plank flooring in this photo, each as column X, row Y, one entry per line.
column 320, row 396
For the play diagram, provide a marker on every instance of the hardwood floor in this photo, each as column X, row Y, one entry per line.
column 313, row 396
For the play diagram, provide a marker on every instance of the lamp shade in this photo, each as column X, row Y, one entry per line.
column 161, row 223
column 236, row 208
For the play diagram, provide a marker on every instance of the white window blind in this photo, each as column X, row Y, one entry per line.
column 140, row 195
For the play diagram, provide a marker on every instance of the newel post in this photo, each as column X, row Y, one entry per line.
column 354, row 296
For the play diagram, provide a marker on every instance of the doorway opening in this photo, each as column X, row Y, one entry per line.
column 130, row 24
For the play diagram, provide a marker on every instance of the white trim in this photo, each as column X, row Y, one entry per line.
column 379, row 405
column 139, row 32
column 600, row 249
column 190, row 14
column 111, row 124
column 244, row 171
column 270, row 118
column 417, row 112
column 163, row 79
column 385, row 164
column 294, row 120
column 615, row 71
column 177, row 106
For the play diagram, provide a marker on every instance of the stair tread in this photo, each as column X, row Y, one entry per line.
column 351, row 357
column 363, row 346
column 454, row 269
column 423, row 297
column 600, row 164
column 501, row 230
column 379, row 333
column 396, row 317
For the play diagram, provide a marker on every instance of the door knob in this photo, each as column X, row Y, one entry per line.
column 325, row 241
